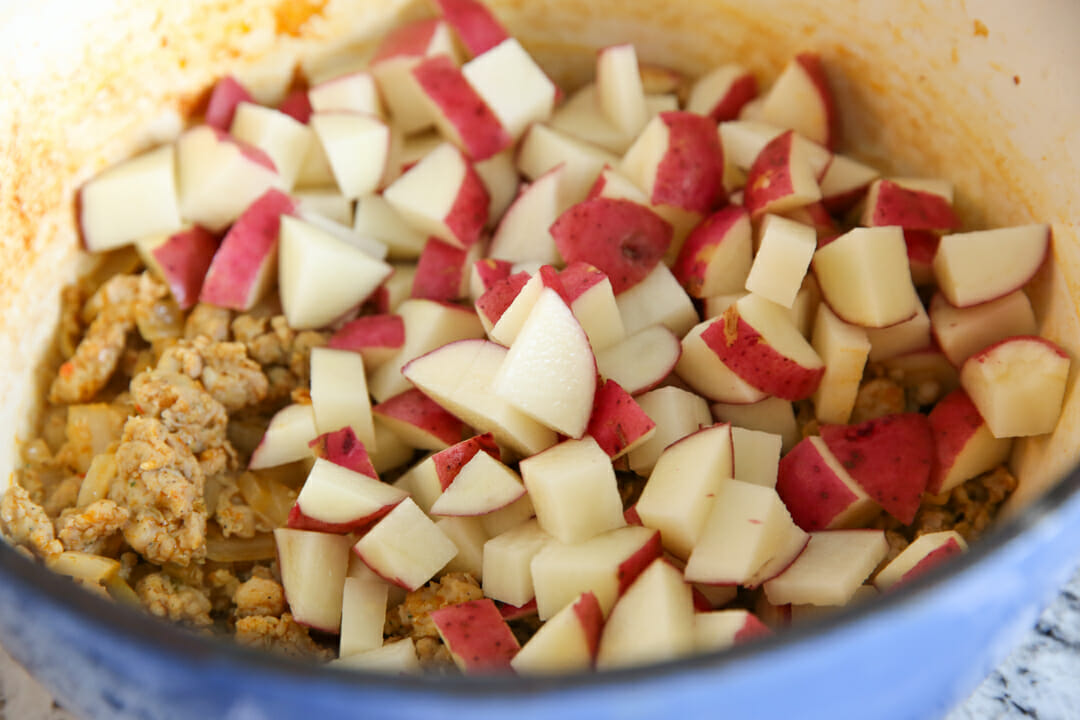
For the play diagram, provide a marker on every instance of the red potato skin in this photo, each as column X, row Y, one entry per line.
column 184, row 259
column 753, row 628
column 480, row 131
column 297, row 106
column 469, row 214
column 476, row 634
column 911, row 209
column 416, row 408
column 630, row 515
column 730, row 104
column 474, row 24
column 247, row 150
column 811, row 64
column 812, row 493
column 890, row 457
column 516, row 612
column 299, row 521
column 439, row 271
column 691, row 173
column 952, row 423
column 932, row 559
column 493, row 303
column 250, row 243
column 692, row 265
column 578, row 278
column 492, row 271
column 448, row 462
column 770, row 175
column 816, row 216
column 369, row 331
column 745, row 352
column 617, row 420
column 343, row 448
column 922, row 245
column 410, row 40
column 631, row 567
column 228, row 92
column 701, row 603
column 591, row 617
column 621, row 238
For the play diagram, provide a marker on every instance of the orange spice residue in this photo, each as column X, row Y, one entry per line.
column 291, row 15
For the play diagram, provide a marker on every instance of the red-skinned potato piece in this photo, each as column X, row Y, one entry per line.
column 493, row 303
column 477, row 637
column 890, row 457
column 963, row 444
column 343, row 448
column 474, row 24
column 461, row 113
column 781, row 179
column 716, row 257
column 801, row 99
column 818, row 492
column 623, row 239
column 439, row 271
column 922, row 245
column 741, row 339
column 891, row 203
column 228, row 92
column 181, row 260
column 691, row 174
column 448, row 462
column 617, row 421
column 297, row 105
column 412, row 409
column 244, row 267
column 376, row 337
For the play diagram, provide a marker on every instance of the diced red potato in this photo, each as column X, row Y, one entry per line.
column 475, row 26
column 677, row 413
column 922, row 246
column 228, row 92
column 772, row 415
column 405, row 547
column 623, row 239
column 833, row 566
column 817, row 490
column 482, row 485
column 313, row 570
column 352, row 92
column 524, row 232
column 802, row 100
column 375, row 337
column 717, row 256
column 460, row 113
column 962, row 332
column 401, row 51
column 469, row 536
column 657, row 299
column 448, row 462
column 903, row 337
column 507, row 576
column 781, row 178
column 357, row 146
column 720, row 629
column 641, row 361
column 138, row 197
column 543, row 148
column 512, row 85
column 864, row 277
column 844, row 349
column 284, row 140
column 618, row 424
column 619, row 88
column 336, row 499
column 927, row 551
column 785, row 248
column 757, row 339
column 441, row 271
column 844, row 182
column 912, row 204
column 567, row 642
column 976, row 267
column 478, row 639
column 679, row 492
column 653, row 621
column 419, row 421
column 890, row 457
column 721, row 93
column 700, row 367
column 605, row 565
column 963, row 444
column 181, row 260
column 1018, row 385
column 287, row 437
column 757, row 455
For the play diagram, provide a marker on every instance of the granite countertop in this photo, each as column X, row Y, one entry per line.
column 1040, row 679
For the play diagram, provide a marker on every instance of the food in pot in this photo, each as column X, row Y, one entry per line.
column 432, row 366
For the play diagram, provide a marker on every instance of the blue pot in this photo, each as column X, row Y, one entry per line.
column 913, row 654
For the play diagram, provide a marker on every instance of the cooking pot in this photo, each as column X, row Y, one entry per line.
column 983, row 93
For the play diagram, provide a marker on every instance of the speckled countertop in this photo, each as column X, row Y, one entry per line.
column 1040, row 679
